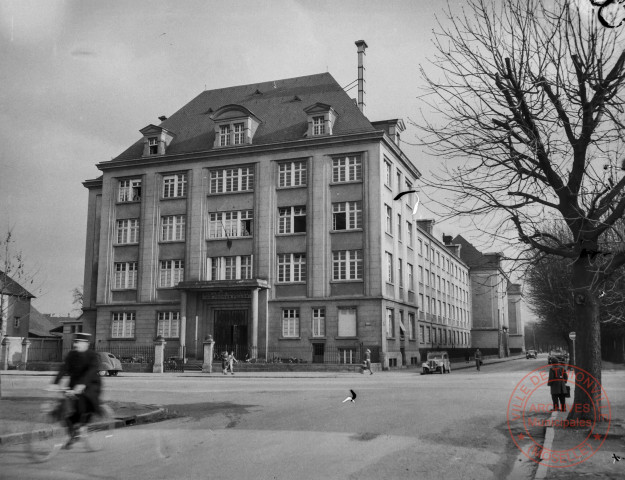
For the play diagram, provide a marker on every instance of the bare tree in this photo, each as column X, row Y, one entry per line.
column 529, row 97
column 77, row 296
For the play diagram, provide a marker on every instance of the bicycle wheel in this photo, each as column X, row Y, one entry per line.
column 99, row 432
column 47, row 438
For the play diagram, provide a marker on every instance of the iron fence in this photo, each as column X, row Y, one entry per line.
column 45, row 350
column 317, row 353
column 129, row 352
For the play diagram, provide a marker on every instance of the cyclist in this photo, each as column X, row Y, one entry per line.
column 81, row 365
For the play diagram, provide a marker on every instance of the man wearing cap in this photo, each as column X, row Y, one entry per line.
column 81, row 365
column 367, row 364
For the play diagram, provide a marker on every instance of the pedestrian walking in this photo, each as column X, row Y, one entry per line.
column 478, row 359
column 367, row 364
column 557, row 384
column 224, row 362
column 231, row 361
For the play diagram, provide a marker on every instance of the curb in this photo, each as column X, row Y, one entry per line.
column 129, row 421
column 542, row 470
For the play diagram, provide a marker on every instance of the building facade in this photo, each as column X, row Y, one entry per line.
column 264, row 216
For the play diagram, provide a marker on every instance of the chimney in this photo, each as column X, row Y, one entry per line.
column 362, row 45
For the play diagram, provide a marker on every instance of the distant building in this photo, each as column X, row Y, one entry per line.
column 264, row 215
column 14, row 308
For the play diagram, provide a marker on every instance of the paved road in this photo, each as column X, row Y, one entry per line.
column 295, row 426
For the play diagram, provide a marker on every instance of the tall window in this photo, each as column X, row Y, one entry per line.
column 168, row 325
column 237, row 179
column 290, row 322
column 399, row 227
column 389, row 220
column 292, row 267
column 319, row 322
column 346, row 169
column 387, row 174
column 171, row 273
column 319, row 125
column 153, row 145
column 347, row 322
column 175, row 185
column 239, row 130
column 390, row 323
column 125, row 275
column 292, row 174
column 421, row 334
column 172, row 228
column 128, row 231
column 409, row 232
column 389, row 267
column 400, row 271
column 129, row 190
column 230, row 268
column 230, row 224
column 123, row 325
column 410, row 277
column 346, row 215
column 412, row 326
column 292, row 219
column 347, row 265
column 224, row 135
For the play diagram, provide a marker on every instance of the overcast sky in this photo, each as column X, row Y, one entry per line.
column 80, row 78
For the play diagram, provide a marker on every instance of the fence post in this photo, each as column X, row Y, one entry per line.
column 4, row 353
column 25, row 347
column 159, row 355
column 209, row 345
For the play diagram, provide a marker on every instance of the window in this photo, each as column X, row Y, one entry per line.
column 433, row 335
column 153, row 145
column 230, row 224
column 420, row 274
column 346, row 215
column 427, row 304
column 400, row 272
column 230, row 268
column 129, row 190
column 172, row 228
column 171, row 272
column 292, row 174
column 409, row 232
column 292, row 220
column 422, row 304
column 224, row 135
column 168, row 324
column 292, row 267
column 319, row 322
column 421, row 334
column 237, row 179
column 399, row 227
column 347, row 355
column 175, row 185
column 123, row 325
column 428, row 337
column 319, row 125
column 125, row 275
column 427, row 276
column 390, row 323
column 387, row 173
column 16, row 322
column 346, row 169
column 347, row 265
column 389, row 267
column 420, row 247
column 239, row 129
column 399, row 180
column 127, row 231
column 389, row 220
column 410, row 277
column 412, row 326
column 402, row 327
column 347, row 322
column 290, row 323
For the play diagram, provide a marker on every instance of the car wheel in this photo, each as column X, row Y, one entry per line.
column 102, row 373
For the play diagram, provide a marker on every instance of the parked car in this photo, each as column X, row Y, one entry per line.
column 109, row 363
column 436, row 362
column 557, row 356
column 531, row 354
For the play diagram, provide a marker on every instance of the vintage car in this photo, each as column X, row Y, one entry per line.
column 436, row 362
column 109, row 363
column 557, row 356
column 531, row 354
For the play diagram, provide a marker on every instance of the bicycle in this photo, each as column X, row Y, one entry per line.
column 50, row 434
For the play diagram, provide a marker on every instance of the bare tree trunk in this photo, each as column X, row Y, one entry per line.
column 588, row 341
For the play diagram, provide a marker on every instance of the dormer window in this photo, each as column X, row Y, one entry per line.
column 155, row 140
column 234, row 125
column 321, row 120
column 153, row 144
column 319, row 126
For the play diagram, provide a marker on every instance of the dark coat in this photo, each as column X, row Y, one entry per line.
column 82, row 369
column 557, row 380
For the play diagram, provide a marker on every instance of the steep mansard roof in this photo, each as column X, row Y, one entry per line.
column 279, row 105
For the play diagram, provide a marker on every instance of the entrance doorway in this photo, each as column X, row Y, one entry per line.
column 318, row 352
column 230, row 332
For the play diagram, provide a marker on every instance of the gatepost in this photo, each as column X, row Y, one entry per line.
column 25, row 347
column 209, row 344
column 159, row 355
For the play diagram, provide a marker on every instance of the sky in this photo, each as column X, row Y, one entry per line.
column 80, row 78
